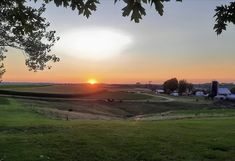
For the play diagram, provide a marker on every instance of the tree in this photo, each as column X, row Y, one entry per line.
column 190, row 87
column 136, row 10
column 182, row 87
column 224, row 14
column 233, row 90
column 170, row 85
column 23, row 27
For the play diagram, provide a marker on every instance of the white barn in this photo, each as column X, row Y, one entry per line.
column 224, row 91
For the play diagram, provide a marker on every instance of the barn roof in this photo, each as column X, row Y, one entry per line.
column 223, row 91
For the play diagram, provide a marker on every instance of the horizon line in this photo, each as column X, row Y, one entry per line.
column 121, row 83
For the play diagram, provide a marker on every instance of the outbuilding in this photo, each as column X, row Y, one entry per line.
column 199, row 93
column 224, row 91
column 159, row 91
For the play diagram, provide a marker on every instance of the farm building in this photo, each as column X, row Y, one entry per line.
column 159, row 91
column 174, row 94
column 199, row 93
column 224, row 94
column 224, row 91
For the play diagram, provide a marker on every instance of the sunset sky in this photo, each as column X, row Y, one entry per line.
column 179, row 44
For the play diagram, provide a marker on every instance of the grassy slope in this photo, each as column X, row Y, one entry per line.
column 25, row 135
column 147, row 110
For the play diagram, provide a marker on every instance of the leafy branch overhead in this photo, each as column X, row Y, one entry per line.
column 136, row 9
column 84, row 7
column 224, row 14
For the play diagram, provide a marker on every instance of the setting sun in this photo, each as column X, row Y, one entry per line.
column 92, row 81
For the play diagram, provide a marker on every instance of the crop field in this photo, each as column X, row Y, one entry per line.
column 62, row 88
column 84, row 91
column 134, row 127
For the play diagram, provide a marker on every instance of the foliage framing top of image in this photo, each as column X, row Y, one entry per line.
column 23, row 27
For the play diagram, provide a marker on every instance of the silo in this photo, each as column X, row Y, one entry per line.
column 214, row 88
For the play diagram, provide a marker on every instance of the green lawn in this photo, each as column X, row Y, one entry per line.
column 28, row 136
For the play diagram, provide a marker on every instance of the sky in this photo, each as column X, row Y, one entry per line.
column 112, row 49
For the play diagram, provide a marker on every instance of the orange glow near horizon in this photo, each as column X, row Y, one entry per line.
column 121, row 70
column 92, row 81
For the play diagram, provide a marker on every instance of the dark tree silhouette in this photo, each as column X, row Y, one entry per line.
column 224, row 14
column 233, row 90
column 190, row 87
column 24, row 28
column 182, row 87
column 136, row 10
column 170, row 85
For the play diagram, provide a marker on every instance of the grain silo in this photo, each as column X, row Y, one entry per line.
column 214, row 88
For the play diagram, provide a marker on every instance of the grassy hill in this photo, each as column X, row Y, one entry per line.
column 28, row 135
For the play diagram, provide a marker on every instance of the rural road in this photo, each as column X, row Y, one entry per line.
column 165, row 99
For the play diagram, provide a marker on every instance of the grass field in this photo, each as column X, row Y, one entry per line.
column 122, row 110
column 26, row 135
